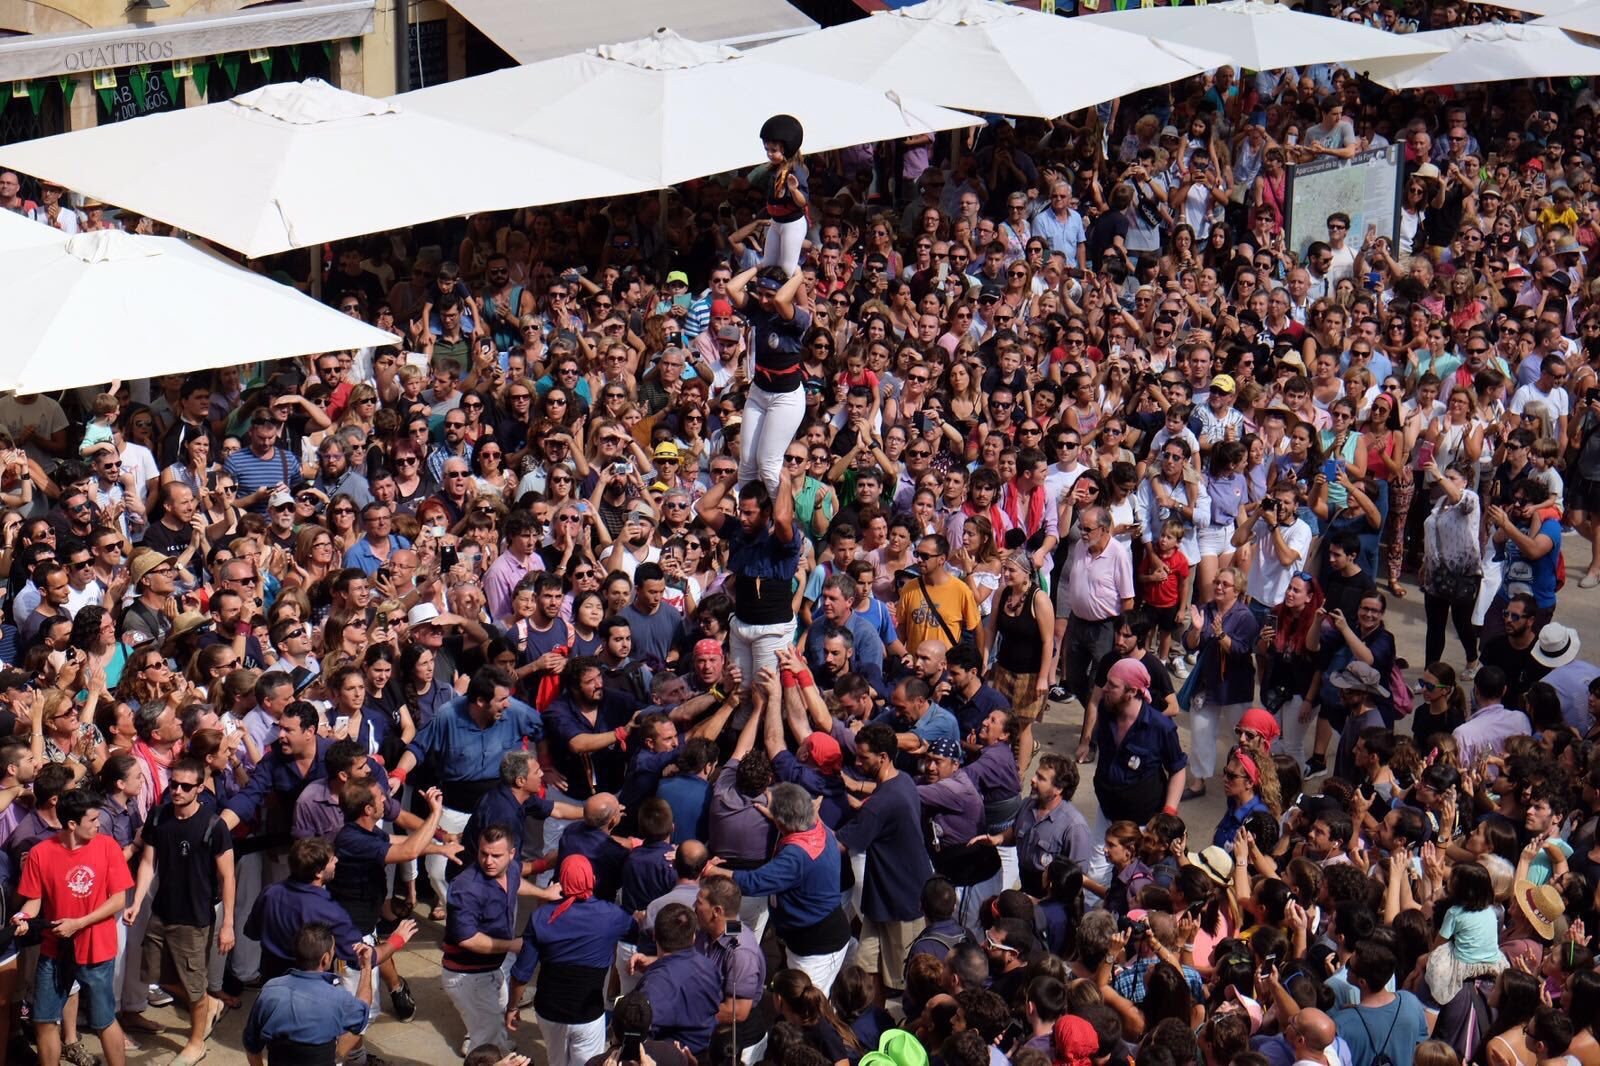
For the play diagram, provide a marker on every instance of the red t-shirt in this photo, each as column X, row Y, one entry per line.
column 1165, row 593
column 73, row 884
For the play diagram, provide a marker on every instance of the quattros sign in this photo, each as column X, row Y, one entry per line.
column 306, row 22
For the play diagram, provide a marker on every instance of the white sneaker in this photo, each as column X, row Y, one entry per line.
column 1470, row 672
column 1178, row 668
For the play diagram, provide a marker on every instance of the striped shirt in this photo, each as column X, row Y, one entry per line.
column 252, row 473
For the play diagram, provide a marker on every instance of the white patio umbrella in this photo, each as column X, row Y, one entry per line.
column 107, row 305
column 1534, row 7
column 297, row 164
column 985, row 56
column 1495, row 51
column 1577, row 18
column 1263, row 36
column 666, row 109
column 19, row 232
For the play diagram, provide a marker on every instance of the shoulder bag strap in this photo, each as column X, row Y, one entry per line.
column 934, row 607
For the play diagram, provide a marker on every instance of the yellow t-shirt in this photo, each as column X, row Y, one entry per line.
column 1551, row 217
column 955, row 602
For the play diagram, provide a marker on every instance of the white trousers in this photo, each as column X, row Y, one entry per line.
column 757, row 646
column 480, row 999
column 626, row 981
column 784, row 243
column 248, row 877
column 753, row 912
column 572, row 1045
column 1099, row 867
column 822, row 969
column 1293, row 740
column 771, row 420
column 451, row 822
column 1203, row 725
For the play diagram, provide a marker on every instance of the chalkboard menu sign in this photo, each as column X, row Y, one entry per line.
column 429, row 54
column 126, row 103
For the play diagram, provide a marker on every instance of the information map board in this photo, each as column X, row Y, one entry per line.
column 1366, row 187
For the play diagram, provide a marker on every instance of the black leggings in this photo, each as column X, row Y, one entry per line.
column 1459, row 612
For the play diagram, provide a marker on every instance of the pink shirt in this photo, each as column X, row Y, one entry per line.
column 1099, row 583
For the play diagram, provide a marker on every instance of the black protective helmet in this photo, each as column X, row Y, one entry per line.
column 786, row 131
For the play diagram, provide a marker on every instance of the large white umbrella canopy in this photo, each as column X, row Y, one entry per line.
column 1263, row 36
column 17, row 231
column 109, row 305
column 300, row 163
column 1579, row 18
column 987, row 56
column 666, row 109
column 1533, row 7
column 1495, row 51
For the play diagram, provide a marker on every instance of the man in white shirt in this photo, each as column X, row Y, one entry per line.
column 1549, row 390
column 1066, row 470
column 1283, row 544
column 1344, row 256
column 53, row 213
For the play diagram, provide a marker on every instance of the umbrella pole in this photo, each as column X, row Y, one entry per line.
column 402, row 46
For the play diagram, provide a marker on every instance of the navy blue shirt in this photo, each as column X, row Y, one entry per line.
column 603, row 853
column 646, row 874
column 598, row 771
column 305, row 1008
column 360, row 880
column 278, row 775
column 684, row 990
column 586, row 935
column 763, row 569
column 499, row 806
column 806, row 889
column 971, row 713
column 689, row 796
column 643, row 775
column 1151, row 743
column 888, row 829
column 830, row 788
column 479, row 904
column 285, row 906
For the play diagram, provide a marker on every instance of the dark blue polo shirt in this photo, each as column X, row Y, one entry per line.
column 684, row 990
column 278, row 775
column 284, row 907
column 360, row 880
column 646, row 874
column 603, row 853
column 971, row 713
column 643, row 776
column 479, row 904
column 500, row 807
column 564, row 721
column 303, row 1008
column 586, row 935
column 689, row 796
column 1150, row 743
column 834, row 804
